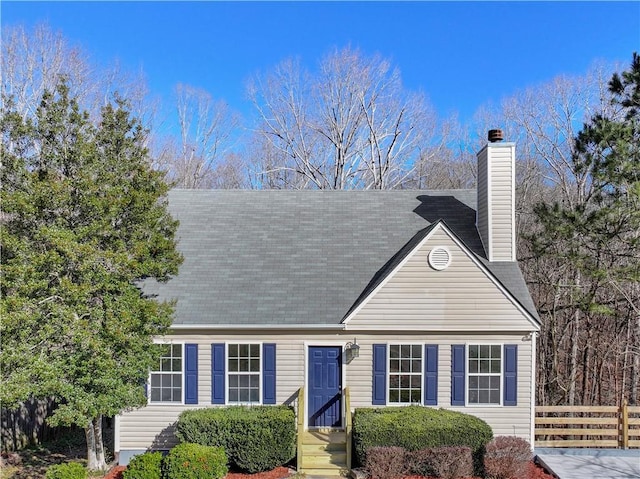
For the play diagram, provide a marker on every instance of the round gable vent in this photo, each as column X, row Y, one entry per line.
column 439, row 258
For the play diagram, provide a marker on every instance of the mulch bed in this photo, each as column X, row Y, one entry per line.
column 277, row 473
column 115, row 472
column 535, row 472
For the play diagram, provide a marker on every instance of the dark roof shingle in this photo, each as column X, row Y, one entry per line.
column 303, row 257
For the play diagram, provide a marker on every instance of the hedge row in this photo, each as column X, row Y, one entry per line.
column 414, row 428
column 67, row 470
column 256, row 438
column 447, row 462
column 194, row 461
column 185, row 461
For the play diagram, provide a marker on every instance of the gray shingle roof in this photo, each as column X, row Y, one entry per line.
column 303, row 257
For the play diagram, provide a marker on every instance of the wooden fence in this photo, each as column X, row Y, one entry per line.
column 25, row 425
column 588, row 426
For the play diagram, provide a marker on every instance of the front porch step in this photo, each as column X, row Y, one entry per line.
column 326, row 472
column 324, row 453
column 326, row 460
column 324, row 437
column 312, row 449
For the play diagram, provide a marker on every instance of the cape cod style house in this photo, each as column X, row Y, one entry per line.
column 336, row 300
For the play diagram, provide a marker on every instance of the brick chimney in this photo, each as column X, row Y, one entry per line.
column 495, row 217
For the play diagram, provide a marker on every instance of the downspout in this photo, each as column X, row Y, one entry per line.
column 116, row 439
column 534, row 370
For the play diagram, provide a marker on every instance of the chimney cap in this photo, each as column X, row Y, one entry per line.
column 495, row 136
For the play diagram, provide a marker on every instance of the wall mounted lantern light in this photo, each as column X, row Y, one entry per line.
column 352, row 349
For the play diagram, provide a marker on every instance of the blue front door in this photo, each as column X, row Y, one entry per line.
column 325, row 386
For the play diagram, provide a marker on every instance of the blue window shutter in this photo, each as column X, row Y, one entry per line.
column 458, row 368
column 217, row 373
column 431, row 374
column 510, row 375
column 379, row 396
column 191, row 374
column 269, row 373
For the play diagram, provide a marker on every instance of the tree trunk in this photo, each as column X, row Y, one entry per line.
column 97, row 431
column 92, row 460
column 95, row 445
column 587, row 367
column 575, row 339
column 635, row 367
column 573, row 364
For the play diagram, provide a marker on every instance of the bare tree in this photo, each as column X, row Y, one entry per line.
column 37, row 60
column 447, row 161
column 206, row 129
column 265, row 166
column 350, row 125
column 281, row 99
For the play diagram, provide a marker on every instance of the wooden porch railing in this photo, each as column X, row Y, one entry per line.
column 300, row 413
column 348, row 424
column 588, row 426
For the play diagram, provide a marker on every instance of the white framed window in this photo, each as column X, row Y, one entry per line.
column 166, row 381
column 405, row 374
column 244, row 368
column 484, row 377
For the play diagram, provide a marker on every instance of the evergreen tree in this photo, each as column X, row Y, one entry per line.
column 84, row 220
column 597, row 235
column 609, row 149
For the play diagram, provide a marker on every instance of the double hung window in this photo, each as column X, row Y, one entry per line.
column 166, row 379
column 485, row 374
column 243, row 372
column 405, row 373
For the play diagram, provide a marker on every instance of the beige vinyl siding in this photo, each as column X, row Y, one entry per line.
column 153, row 425
column 483, row 198
column 501, row 163
column 150, row 427
column 504, row 420
column 459, row 298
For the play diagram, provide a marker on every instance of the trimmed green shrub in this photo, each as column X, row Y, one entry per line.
column 67, row 470
column 416, row 427
column 194, row 461
column 144, row 466
column 256, row 438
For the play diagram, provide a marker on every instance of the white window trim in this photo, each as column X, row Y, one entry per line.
column 400, row 404
column 467, row 374
column 167, row 403
column 227, row 372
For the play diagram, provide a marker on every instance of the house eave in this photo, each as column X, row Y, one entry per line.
column 218, row 327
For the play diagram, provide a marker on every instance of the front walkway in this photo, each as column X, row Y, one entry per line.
column 590, row 463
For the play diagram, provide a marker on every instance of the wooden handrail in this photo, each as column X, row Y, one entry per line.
column 300, row 413
column 348, row 424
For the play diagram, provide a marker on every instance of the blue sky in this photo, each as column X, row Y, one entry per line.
column 462, row 54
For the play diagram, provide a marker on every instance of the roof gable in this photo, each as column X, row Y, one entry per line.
column 413, row 295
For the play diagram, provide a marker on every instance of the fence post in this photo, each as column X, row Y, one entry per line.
column 624, row 423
